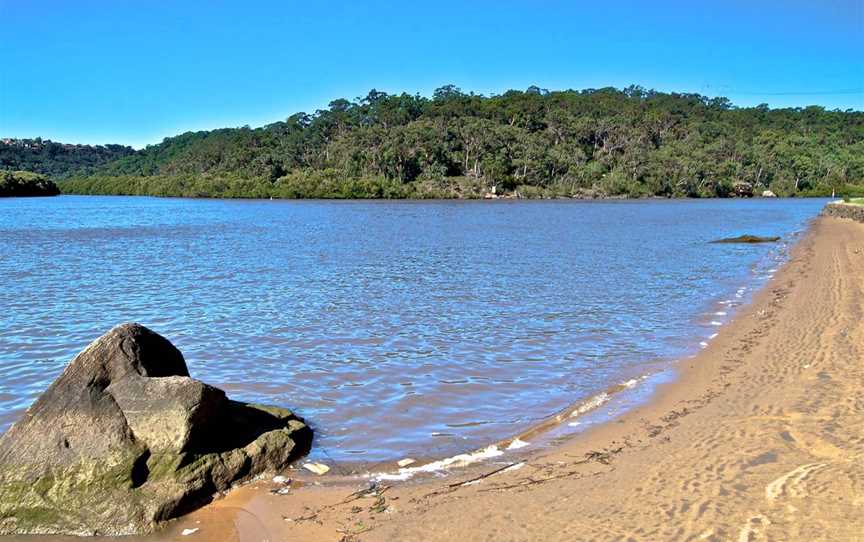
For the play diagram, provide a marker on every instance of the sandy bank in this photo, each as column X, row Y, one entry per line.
column 840, row 209
column 761, row 438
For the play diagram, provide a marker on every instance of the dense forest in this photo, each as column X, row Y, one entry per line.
column 26, row 184
column 534, row 143
column 57, row 160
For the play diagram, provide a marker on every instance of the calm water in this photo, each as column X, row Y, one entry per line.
column 396, row 328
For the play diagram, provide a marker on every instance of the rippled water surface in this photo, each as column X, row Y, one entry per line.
column 395, row 328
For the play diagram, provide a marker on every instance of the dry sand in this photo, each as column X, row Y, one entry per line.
column 760, row 438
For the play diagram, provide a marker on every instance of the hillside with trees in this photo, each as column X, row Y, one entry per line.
column 534, row 143
column 25, row 184
column 57, row 160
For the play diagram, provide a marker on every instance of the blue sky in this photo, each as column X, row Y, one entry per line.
column 129, row 72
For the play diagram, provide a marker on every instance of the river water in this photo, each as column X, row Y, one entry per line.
column 395, row 328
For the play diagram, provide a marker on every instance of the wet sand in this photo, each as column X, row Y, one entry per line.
column 760, row 438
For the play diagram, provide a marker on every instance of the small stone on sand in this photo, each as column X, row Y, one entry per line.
column 317, row 468
column 281, row 480
column 187, row 532
column 405, row 462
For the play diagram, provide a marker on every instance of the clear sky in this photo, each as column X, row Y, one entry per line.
column 133, row 72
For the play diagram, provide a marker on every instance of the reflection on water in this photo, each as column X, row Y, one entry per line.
column 397, row 328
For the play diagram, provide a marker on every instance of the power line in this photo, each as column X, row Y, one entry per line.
column 799, row 93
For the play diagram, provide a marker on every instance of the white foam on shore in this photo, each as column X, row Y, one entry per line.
column 720, row 313
column 518, row 443
column 589, row 405
column 602, row 398
column 703, row 344
column 489, row 452
column 456, row 461
column 716, row 323
column 713, row 335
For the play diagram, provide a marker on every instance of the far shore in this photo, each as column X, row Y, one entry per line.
column 757, row 439
column 598, row 199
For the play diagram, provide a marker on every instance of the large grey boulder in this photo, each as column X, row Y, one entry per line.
column 124, row 439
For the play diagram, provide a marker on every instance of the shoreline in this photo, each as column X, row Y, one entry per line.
column 617, row 398
column 597, row 407
column 598, row 199
column 726, row 450
column 717, row 407
column 679, row 338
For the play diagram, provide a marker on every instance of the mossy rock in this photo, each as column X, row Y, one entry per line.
column 124, row 439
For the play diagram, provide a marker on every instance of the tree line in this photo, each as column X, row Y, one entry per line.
column 26, row 184
column 534, row 143
column 57, row 160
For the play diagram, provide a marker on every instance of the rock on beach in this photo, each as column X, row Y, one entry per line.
column 125, row 439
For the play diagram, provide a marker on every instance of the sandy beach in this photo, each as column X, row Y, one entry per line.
column 339, row 272
column 758, row 439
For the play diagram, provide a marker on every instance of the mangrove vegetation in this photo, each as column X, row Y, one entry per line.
column 534, row 143
column 26, row 184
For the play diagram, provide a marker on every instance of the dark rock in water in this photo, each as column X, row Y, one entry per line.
column 747, row 239
column 124, row 439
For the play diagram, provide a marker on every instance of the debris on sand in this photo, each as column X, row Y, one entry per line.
column 318, row 468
